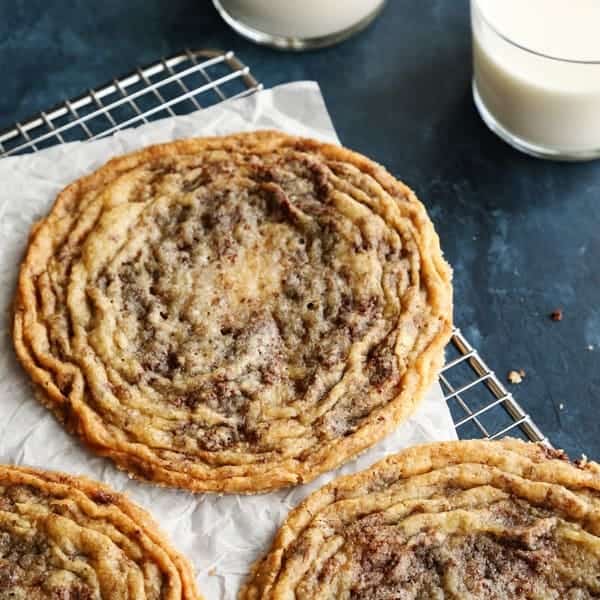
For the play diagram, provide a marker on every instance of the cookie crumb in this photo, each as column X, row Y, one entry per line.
column 561, row 406
column 212, row 571
column 516, row 376
column 557, row 314
column 590, row 347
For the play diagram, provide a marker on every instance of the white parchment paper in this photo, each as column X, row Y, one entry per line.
column 221, row 535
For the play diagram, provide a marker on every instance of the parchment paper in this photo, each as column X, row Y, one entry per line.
column 221, row 535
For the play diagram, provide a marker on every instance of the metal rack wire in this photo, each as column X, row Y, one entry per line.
column 177, row 85
column 480, row 404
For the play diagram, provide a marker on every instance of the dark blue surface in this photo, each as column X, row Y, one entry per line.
column 522, row 234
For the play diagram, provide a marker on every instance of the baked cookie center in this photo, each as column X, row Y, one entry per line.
column 228, row 311
column 31, row 567
column 520, row 554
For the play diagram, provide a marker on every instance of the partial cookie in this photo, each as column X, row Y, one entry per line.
column 65, row 537
column 234, row 314
column 476, row 519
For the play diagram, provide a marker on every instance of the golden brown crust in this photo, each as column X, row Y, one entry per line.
column 383, row 305
column 71, row 537
column 470, row 519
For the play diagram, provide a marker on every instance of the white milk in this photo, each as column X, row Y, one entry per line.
column 553, row 105
column 301, row 18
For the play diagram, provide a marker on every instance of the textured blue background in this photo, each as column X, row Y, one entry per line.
column 522, row 234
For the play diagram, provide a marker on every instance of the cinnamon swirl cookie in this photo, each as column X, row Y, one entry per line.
column 233, row 314
column 63, row 537
column 505, row 520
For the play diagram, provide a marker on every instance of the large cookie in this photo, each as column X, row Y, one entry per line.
column 64, row 537
column 469, row 520
column 233, row 314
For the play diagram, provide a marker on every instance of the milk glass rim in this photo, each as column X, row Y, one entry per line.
column 295, row 43
column 512, row 42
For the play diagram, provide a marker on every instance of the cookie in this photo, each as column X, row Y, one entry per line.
column 70, row 537
column 472, row 519
column 233, row 314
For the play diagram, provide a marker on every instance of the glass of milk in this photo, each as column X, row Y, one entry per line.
column 537, row 74
column 298, row 24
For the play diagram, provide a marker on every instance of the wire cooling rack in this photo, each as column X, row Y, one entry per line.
column 480, row 404
column 173, row 86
